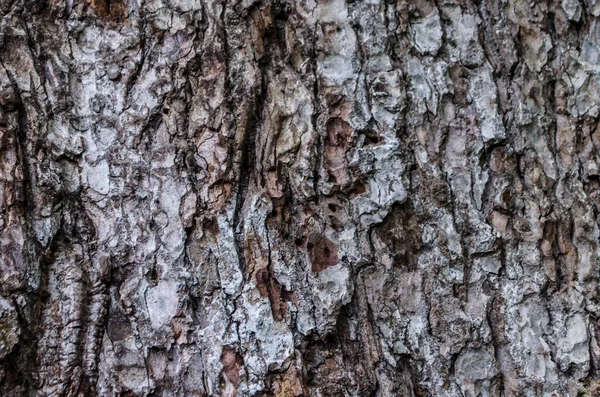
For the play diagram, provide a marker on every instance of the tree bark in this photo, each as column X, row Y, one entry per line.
column 299, row 198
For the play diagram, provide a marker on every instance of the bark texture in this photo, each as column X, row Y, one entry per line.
column 299, row 198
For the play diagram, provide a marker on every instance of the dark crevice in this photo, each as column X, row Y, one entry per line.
column 143, row 55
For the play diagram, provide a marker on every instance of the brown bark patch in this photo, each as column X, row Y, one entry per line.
column 119, row 326
column 337, row 143
column 262, row 282
column 127, row 393
column 288, row 384
column 357, row 188
column 110, row 10
column 232, row 362
column 401, row 234
column 211, row 227
column 322, row 253
column 268, row 287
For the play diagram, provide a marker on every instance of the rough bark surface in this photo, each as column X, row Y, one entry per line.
column 299, row 198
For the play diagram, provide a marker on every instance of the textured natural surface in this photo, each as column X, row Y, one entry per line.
column 299, row 198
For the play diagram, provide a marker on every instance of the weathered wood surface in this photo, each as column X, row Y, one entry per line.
column 299, row 198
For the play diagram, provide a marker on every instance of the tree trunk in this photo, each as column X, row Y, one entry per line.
column 299, row 198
